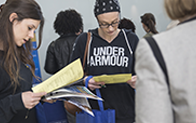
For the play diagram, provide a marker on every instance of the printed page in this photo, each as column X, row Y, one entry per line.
column 64, row 77
column 111, row 79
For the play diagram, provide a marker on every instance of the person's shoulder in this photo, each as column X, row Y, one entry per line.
column 130, row 33
column 147, row 35
column 65, row 40
column 93, row 31
column 82, row 38
column 166, row 36
column 51, row 45
column 132, row 37
column 82, row 35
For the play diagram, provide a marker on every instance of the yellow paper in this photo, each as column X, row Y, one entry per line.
column 111, row 79
column 64, row 77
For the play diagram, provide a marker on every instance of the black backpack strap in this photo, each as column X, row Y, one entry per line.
column 158, row 55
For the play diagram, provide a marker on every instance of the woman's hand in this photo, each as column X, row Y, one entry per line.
column 132, row 81
column 31, row 99
column 94, row 85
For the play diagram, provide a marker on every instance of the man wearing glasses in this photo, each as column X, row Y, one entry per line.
column 110, row 51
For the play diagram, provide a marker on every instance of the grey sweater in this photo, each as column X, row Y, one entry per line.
column 153, row 103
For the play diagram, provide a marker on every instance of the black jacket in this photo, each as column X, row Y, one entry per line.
column 12, row 109
column 58, row 53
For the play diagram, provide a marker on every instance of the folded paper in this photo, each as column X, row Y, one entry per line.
column 112, row 79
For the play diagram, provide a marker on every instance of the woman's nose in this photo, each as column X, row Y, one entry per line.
column 31, row 34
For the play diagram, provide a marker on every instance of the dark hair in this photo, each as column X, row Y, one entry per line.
column 14, row 54
column 126, row 24
column 149, row 20
column 68, row 21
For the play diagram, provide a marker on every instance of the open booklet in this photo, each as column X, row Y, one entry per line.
column 71, row 74
column 75, row 95
column 58, row 87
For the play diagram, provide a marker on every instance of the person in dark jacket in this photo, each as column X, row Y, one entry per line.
column 18, row 21
column 68, row 25
column 110, row 51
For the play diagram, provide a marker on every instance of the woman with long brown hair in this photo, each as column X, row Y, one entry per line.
column 18, row 21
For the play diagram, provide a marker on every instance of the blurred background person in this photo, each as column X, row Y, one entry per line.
column 68, row 24
column 126, row 24
column 157, row 101
column 148, row 24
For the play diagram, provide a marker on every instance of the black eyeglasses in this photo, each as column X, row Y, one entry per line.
column 113, row 24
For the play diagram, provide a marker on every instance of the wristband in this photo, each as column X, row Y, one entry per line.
column 87, row 80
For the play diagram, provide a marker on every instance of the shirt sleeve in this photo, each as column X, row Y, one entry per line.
column 153, row 104
column 50, row 62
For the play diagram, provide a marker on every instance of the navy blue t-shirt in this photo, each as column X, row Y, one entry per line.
column 110, row 58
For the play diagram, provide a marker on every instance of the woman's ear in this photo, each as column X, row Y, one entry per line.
column 12, row 17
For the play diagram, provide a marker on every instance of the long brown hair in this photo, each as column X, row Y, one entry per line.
column 14, row 55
